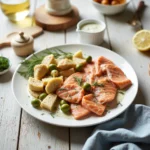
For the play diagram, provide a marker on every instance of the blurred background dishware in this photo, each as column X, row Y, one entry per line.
column 91, row 31
column 58, row 7
column 115, row 7
column 15, row 10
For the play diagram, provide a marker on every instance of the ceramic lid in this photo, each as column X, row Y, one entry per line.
column 22, row 38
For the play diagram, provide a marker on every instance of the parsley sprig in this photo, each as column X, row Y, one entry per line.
column 98, row 84
column 121, row 92
column 78, row 80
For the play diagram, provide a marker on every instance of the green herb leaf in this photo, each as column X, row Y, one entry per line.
column 27, row 68
column 98, row 84
column 78, row 80
column 4, row 63
column 121, row 92
column 119, row 104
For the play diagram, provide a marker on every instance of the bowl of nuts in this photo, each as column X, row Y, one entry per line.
column 110, row 7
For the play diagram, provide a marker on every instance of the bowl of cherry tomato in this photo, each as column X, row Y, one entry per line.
column 110, row 7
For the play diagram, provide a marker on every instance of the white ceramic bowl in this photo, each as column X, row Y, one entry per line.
column 110, row 9
column 95, row 38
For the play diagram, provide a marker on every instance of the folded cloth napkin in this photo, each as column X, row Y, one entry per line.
column 129, row 131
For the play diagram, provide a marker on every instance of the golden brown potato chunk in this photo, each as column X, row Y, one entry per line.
column 49, row 60
column 53, row 84
column 79, row 61
column 49, row 102
column 65, row 64
column 40, row 71
column 35, row 85
column 67, row 73
column 34, row 93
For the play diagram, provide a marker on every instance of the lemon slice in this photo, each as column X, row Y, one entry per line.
column 141, row 40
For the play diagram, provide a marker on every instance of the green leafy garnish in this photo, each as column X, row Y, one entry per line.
column 121, row 92
column 28, row 65
column 4, row 63
column 119, row 104
column 98, row 84
column 78, row 80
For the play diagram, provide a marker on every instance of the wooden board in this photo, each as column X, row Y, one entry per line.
column 54, row 23
column 34, row 31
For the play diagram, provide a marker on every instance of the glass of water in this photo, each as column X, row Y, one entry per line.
column 15, row 10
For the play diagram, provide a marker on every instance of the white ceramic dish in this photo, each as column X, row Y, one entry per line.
column 95, row 38
column 110, row 9
column 19, row 88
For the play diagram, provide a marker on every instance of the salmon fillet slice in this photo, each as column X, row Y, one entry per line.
column 100, row 61
column 89, row 71
column 91, row 103
column 117, row 76
column 104, row 90
column 89, row 68
column 71, row 79
column 79, row 111
column 71, row 93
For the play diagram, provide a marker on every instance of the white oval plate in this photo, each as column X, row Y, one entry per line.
column 19, row 87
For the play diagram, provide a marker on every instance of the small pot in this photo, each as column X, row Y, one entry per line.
column 95, row 38
column 22, row 44
column 58, row 7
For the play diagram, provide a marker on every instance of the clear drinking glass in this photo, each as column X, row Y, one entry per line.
column 15, row 10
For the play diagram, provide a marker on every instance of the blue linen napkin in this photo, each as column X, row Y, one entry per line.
column 129, row 131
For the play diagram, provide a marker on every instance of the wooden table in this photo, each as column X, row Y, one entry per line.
column 18, row 130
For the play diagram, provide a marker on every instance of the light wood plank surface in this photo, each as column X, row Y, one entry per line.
column 20, row 130
column 33, row 131
column 9, row 109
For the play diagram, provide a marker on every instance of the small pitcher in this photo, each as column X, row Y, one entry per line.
column 58, row 7
column 95, row 38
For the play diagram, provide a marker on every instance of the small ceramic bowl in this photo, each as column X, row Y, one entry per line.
column 95, row 38
column 110, row 9
column 6, row 70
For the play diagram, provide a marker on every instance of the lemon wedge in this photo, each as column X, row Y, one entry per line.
column 141, row 40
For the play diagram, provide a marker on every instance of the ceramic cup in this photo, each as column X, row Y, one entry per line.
column 95, row 38
column 58, row 7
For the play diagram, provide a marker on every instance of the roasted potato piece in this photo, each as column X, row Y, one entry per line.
column 65, row 64
column 67, row 73
column 79, row 61
column 78, row 54
column 35, row 85
column 35, row 94
column 40, row 71
column 53, row 85
column 46, row 79
column 47, row 60
column 49, row 102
